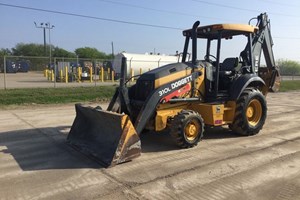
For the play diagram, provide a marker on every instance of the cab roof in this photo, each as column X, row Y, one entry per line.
column 228, row 30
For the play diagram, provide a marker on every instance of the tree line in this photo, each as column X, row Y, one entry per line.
column 40, row 55
column 33, row 49
column 289, row 67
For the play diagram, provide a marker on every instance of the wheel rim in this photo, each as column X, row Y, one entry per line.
column 191, row 130
column 254, row 112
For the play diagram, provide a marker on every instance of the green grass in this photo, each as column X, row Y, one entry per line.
column 78, row 94
column 289, row 85
column 55, row 95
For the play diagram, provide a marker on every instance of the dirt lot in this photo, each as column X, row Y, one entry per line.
column 36, row 162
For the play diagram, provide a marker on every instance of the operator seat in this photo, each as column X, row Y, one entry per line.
column 228, row 68
column 229, row 64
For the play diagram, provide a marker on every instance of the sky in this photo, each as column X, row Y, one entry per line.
column 141, row 26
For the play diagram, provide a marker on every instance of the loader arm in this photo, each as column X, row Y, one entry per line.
column 120, row 102
column 154, row 98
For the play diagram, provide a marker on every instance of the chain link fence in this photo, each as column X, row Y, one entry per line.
column 33, row 72
column 41, row 72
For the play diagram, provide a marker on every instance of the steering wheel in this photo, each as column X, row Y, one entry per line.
column 207, row 57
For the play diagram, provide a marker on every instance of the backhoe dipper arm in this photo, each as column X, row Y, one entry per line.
column 262, row 41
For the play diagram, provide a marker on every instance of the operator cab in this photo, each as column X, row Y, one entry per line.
column 223, row 64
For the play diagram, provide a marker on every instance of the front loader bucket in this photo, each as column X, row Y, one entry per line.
column 108, row 137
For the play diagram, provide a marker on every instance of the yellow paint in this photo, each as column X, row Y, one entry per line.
column 212, row 114
column 191, row 130
column 239, row 27
column 166, row 111
column 46, row 73
column 102, row 74
column 254, row 112
column 177, row 75
column 266, row 74
column 52, row 75
column 200, row 83
column 128, row 131
column 229, row 112
column 66, row 74
column 61, row 75
column 113, row 76
column 132, row 74
column 230, row 27
column 79, row 72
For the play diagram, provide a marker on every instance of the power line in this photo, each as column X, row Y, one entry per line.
column 161, row 11
column 288, row 38
column 90, row 17
column 108, row 19
column 238, row 8
column 281, row 4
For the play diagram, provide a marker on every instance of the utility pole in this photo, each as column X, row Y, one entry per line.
column 45, row 26
column 112, row 49
column 49, row 27
column 44, row 31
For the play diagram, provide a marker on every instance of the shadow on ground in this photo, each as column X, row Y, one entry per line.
column 46, row 148
column 162, row 141
column 42, row 149
column 219, row 133
column 157, row 142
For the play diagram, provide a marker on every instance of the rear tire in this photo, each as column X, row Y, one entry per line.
column 250, row 114
column 187, row 128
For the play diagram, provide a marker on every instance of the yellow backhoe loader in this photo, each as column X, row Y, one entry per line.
column 184, row 97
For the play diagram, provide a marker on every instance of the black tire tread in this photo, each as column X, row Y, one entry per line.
column 178, row 125
column 240, row 124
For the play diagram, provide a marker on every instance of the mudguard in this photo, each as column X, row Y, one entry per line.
column 242, row 82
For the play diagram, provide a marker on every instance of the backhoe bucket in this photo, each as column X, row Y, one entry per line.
column 108, row 137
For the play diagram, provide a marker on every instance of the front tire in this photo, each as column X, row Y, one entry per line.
column 250, row 114
column 187, row 128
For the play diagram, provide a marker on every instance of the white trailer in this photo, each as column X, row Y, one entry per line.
column 141, row 62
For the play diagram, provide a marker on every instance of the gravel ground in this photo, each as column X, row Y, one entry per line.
column 36, row 162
